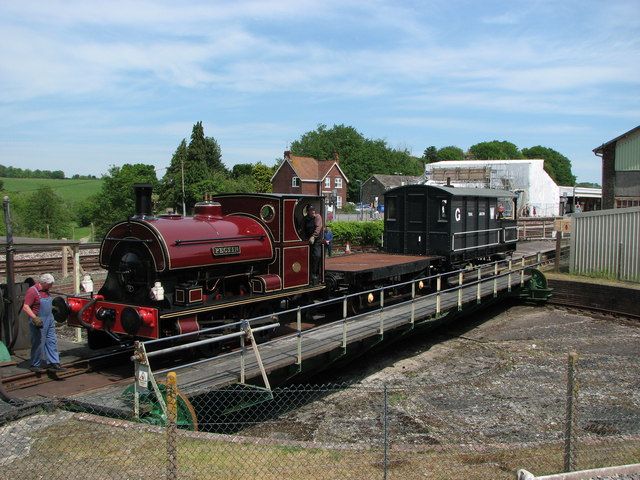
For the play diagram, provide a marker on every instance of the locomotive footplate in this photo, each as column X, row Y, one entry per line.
column 238, row 301
column 371, row 267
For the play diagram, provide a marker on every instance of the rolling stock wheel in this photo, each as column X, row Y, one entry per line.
column 151, row 410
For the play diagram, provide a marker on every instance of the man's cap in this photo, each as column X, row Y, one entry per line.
column 46, row 278
column 311, row 207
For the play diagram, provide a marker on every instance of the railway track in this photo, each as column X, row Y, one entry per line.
column 79, row 375
column 28, row 262
column 581, row 307
column 597, row 298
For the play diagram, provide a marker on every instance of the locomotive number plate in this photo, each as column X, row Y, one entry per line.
column 224, row 251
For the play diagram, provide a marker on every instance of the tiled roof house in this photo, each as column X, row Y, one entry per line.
column 310, row 176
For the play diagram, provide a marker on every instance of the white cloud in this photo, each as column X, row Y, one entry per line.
column 111, row 69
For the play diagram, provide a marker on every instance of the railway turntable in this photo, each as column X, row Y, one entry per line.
column 244, row 375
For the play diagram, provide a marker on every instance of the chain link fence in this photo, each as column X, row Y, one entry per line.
column 574, row 420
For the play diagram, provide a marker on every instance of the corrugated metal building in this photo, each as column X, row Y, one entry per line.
column 621, row 170
column 607, row 243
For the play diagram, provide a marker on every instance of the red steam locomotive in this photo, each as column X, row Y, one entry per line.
column 238, row 256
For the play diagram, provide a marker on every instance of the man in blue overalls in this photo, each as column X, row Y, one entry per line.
column 44, row 345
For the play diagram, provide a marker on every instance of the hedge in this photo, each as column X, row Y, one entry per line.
column 359, row 233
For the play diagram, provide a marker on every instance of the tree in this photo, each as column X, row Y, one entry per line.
column 194, row 163
column 116, row 200
column 430, row 155
column 588, row 185
column 242, row 169
column 359, row 157
column 495, row 150
column 555, row 164
column 205, row 149
column 262, row 177
column 44, row 213
column 450, row 153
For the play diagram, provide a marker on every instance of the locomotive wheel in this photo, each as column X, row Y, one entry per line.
column 260, row 310
column 208, row 349
column 151, row 410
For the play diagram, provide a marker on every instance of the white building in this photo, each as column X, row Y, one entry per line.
column 537, row 191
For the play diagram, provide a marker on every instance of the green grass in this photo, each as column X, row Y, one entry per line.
column 81, row 232
column 69, row 190
column 74, row 448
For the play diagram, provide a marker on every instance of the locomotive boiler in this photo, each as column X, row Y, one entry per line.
column 237, row 256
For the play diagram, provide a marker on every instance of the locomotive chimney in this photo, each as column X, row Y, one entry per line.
column 143, row 199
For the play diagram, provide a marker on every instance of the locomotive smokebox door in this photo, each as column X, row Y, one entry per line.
column 187, row 295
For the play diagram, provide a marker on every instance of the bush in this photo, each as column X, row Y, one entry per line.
column 348, row 208
column 360, row 233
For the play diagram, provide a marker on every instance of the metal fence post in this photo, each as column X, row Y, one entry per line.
column 413, row 303
column 385, row 428
column 172, row 429
column 381, row 331
column 495, row 279
column 479, row 291
column 299, row 324
column 509, row 277
column 438, row 287
column 459, row 291
column 344, row 324
column 243, row 351
column 570, row 434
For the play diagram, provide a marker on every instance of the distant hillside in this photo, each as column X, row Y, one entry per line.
column 71, row 191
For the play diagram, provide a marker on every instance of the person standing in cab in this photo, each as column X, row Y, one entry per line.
column 313, row 234
column 44, row 344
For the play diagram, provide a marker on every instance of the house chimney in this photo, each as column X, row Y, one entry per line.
column 336, row 157
column 287, row 154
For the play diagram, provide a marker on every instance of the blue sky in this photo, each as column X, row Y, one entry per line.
column 85, row 85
